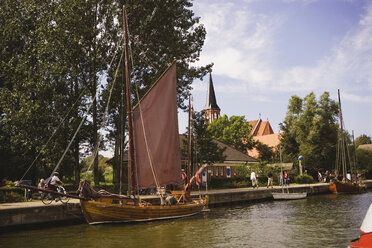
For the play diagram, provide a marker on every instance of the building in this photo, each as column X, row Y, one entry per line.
column 263, row 132
column 223, row 169
column 211, row 110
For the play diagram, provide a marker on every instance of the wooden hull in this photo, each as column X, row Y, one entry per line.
column 289, row 196
column 347, row 187
column 103, row 210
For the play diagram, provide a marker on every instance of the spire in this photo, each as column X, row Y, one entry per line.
column 211, row 97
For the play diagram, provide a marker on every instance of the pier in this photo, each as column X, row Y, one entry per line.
column 22, row 214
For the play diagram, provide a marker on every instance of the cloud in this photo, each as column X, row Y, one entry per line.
column 241, row 45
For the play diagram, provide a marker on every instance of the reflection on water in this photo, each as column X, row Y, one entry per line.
column 318, row 221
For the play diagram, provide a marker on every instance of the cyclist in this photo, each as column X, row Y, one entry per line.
column 55, row 181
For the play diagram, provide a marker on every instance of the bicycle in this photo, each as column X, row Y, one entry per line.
column 47, row 198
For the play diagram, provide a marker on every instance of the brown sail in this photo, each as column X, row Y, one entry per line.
column 156, row 140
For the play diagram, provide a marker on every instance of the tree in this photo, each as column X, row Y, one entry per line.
column 310, row 130
column 266, row 153
column 203, row 149
column 160, row 32
column 235, row 131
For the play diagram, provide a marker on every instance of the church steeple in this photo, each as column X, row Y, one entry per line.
column 211, row 110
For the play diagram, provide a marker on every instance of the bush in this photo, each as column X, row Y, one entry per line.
column 304, row 179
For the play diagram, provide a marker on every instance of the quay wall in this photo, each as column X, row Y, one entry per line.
column 35, row 213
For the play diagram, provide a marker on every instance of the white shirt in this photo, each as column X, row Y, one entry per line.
column 253, row 175
column 55, row 180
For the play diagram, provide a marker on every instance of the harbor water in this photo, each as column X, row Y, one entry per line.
column 318, row 221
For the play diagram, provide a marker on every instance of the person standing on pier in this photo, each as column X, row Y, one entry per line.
column 270, row 179
column 253, row 179
column 286, row 178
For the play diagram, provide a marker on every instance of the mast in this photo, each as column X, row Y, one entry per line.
column 342, row 139
column 129, row 108
column 189, row 143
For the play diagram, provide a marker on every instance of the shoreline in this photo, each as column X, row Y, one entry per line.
column 34, row 214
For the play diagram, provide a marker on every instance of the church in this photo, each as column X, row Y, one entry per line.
column 260, row 130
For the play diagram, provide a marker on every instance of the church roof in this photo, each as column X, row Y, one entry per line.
column 211, row 97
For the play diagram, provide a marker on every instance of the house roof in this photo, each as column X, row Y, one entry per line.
column 367, row 147
column 272, row 140
column 232, row 155
column 260, row 127
column 211, row 97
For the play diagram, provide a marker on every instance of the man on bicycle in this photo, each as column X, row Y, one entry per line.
column 55, row 181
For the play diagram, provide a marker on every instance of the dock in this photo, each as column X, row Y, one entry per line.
column 22, row 214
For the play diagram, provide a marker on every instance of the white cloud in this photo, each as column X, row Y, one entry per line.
column 240, row 44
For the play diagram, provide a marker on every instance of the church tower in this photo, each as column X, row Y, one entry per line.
column 211, row 110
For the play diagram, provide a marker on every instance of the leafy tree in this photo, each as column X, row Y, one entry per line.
column 364, row 162
column 203, row 149
column 266, row 153
column 235, row 131
column 310, row 130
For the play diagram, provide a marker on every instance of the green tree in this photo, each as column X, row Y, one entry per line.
column 310, row 130
column 364, row 162
column 235, row 131
column 203, row 149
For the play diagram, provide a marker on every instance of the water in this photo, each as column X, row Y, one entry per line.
column 318, row 221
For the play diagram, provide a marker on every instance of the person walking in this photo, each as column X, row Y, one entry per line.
column 253, row 179
column 270, row 179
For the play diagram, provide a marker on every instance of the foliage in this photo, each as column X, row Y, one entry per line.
column 234, row 131
column 304, row 179
column 203, row 149
column 54, row 51
column 310, row 130
column 266, row 153
column 225, row 183
column 364, row 162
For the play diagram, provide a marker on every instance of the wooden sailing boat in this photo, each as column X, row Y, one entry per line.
column 153, row 135
column 347, row 184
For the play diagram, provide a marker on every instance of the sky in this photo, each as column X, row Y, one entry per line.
column 265, row 51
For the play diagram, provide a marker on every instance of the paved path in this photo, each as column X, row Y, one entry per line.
column 31, row 204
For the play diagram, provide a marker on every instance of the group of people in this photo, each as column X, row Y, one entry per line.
column 283, row 181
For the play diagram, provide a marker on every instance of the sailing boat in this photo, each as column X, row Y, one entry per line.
column 153, row 135
column 347, row 184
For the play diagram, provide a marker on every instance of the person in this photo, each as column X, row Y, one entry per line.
column 55, row 181
column 253, row 179
column 286, row 178
column 270, row 179
column 281, row 179
column 320, row 178
column 326, row 177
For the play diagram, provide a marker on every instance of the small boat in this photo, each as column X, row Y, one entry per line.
column 289, row 196
column 365, row 239
column 154, row 160
column 348, row 183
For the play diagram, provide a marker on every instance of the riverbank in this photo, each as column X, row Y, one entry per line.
column 25, row 214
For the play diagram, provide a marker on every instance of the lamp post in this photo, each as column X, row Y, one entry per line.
column 299, row 163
